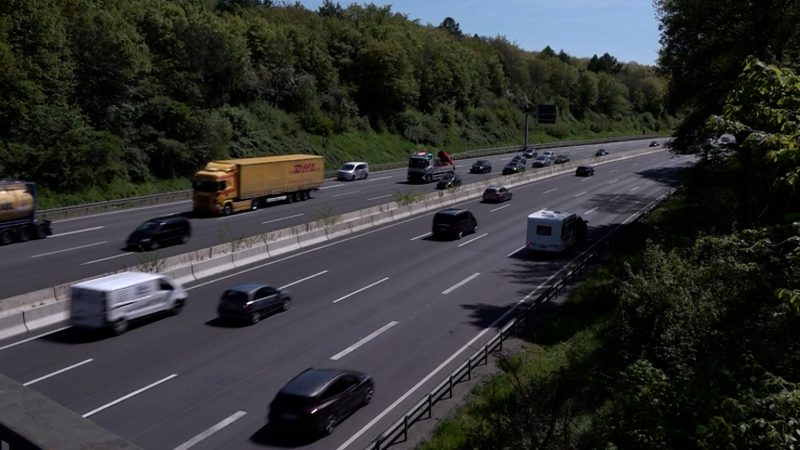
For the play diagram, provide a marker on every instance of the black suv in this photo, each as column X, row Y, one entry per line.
column 453, row 223
column 530, row 153
column 584, row 171
column 160, row 231
column 481, row 166
column 601, row 152
column 450, row 180
column 513, row 167
column 250, row 301
column 317, row 399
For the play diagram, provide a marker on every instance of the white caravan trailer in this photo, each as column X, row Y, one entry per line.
column 112, row 301
column 554, row 231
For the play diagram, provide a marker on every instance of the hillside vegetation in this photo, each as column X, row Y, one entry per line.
column 101, row 96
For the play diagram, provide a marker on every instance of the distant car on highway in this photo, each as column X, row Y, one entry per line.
column 353, row 171
column 496, row 193
column 251, row 301
column 160, row 231
column 530, row 153
column 513, row 167
column 653, row 144
column 481, row 166
column 601, row 152
column 453, row 223
column 561, row 159
column 541, row 161
column 316, row 400
column 450, row 180
column 584, row 171
column 549, row 154
column 519, row 159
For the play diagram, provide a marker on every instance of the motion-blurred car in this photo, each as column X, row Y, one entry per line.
column 353, row 171
column 450, row 180
column 496, row 194
column 561, row 159
column 530, row 153
column 160, row 231
column 549, row 154
column 584, row 171
column 601, row 152
column 513, row 167
column 519, row 159
column 316, row 400
column 251, row 301
column 541, row 161
column 653, row 144
column 481, row 166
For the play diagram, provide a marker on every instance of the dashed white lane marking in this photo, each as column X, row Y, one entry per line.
column 303, row 279
column 57, row 372
column 377, row 179
column 360, row 290
column 282, row 218
column 332, row 186
column 551, row 190
column 616, row 198
column 345, row 193
column 380, row 196
column 502, row 207
column 634, row 188
column 461, row 283
column 515, row 251
column 582, row 193
column 106, row 259
column 613, row 181
column 69, row 249
column 363, row 341
column 472, row 240
column 590, row 211
column 612, row 171
column 132, row 394
column 421, row 236
column 76, row 231
column 205, row 434
column 14, row 344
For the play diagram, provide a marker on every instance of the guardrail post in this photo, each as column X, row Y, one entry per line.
column 469, row 368
column 430, row 405
column 450, row 387
column 405, row 428
column 486, row 353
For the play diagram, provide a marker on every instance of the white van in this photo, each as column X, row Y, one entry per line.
column 111, row 302
column 554, row 231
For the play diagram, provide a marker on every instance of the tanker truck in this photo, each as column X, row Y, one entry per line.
column 423, row 168
column 17, row 209
column 225, row 187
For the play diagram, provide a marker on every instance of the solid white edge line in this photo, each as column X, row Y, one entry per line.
column 460, row 283
column 515, row 251
column 381, row 196
column 363, row 341
column 421, row 236
column 498, row 209
column 106, row 259
column 52, row 374
column 132, row 394
column 69, row 249
column 282, row 218
column 14, row 344
column 360, row 290
column 303, row 279
column 472, row 240
column 67, row 233
column 205, row 434
column 590, row 211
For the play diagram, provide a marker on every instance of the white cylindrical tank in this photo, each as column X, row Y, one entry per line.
column 15, row 201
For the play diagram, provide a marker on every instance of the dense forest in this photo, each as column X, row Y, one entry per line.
column 688, row 336
column 107, row 93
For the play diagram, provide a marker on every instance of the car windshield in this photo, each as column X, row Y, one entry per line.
column 147, row 226
column 542, row 158
column 347, row 167
column 417, row 163
column 491, row 191
column 236, row 297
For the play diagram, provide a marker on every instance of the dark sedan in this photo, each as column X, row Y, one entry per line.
column 653, row 144
column 481, row 166
column 513, row 167
column 496, row 194
column 584, row 171
column 530, row 153
column 317, row 399
column 601, row 152
column 520, row 159
column 450, row 180
column 252, row 301
column 561, row 159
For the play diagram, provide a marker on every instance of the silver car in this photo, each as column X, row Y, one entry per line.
column 353, row 171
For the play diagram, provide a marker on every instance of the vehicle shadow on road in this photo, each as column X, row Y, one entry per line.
column 219, row 322
column 270, row 435
column 77, row 336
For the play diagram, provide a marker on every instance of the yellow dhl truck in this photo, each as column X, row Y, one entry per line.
column 225, row 187
column 17, row 213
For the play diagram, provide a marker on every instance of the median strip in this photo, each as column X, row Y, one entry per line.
column 363, row 341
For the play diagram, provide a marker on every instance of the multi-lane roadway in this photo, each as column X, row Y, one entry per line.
column 389, row 301
column 87, row 246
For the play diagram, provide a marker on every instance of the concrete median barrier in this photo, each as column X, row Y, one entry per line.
column 12, row 325
column 383, row 217
column 180, row 274
column 209, row 267
column 43, row 316
column 337, row 230
column 313, row 237
column 23, row 300
column 250, row 255
column 285, row 245
column 361, row 224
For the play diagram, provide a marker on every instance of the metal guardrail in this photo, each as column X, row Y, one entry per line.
column 398, row 431
column 68, row 212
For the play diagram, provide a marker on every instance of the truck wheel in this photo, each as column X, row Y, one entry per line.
column 42, row 231
column 227, row 210
column 119, row 327
column 153, row 245
column 25, row 233
column 254, row 204
column 176, row 307
column 6, row 237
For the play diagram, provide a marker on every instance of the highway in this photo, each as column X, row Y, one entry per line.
column 88, row 246
column 389, row 301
